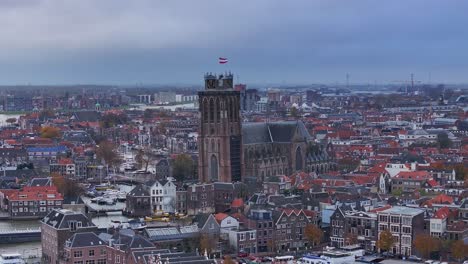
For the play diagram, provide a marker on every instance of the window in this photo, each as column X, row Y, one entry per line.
column 101, row 261
column 406, row 221
column 252, row 236
column 78, row 262
column 406, row 230
column 117, row 259
column 383, row 218
column 91, row 253
column 395, row 219
column 242, row 237
column 103, row 252
column 90, row 262
column 395, row 229
column 78, row 254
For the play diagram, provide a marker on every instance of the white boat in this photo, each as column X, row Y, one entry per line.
column 11, row 259
column 328, row 257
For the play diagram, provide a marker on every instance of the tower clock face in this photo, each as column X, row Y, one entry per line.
column 210, row 84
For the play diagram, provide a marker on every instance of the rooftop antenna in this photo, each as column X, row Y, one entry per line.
column 412, row 82
column 347, row 80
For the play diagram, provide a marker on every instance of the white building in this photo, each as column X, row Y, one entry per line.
column 163, row 196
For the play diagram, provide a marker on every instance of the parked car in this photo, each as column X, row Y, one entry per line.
column 242, row 254
column 414, row 258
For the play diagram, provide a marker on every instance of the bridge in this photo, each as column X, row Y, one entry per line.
column 8, row 236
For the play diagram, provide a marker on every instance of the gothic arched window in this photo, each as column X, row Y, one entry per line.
column 214, row 168
column 298, row 159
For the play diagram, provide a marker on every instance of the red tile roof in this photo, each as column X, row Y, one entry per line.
column 415, row 175
column 238, row 202
column 442, row 213
column 39, row 193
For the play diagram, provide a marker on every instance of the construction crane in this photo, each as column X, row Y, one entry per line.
column 409, row 82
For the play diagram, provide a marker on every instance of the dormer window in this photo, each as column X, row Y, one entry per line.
column 72, row 225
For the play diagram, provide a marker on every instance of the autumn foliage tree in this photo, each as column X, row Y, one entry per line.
column 207, row 243
column 66, row 186
column 314, row 234
column 425, row 244
column 50, row 132
column 386, row 241
column 107, row 152
column 459, row 250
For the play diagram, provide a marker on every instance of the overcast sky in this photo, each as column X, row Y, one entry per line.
column 266, row 41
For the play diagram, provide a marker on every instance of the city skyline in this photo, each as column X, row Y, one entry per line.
column 300, row 42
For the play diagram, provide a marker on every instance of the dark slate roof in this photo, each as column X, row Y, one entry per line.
column 139, row 190
column 60, row 219
column 254, row 133
column 130, row 240
column 88, row 116
column 87, row 239
column 201, row 219
column 40, row 182
column 25, row 173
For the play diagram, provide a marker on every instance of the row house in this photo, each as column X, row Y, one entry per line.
column 163, row 196
column 262, row 221
column 405, row 223
column 243, row 240
column 33, row 202
column 290, row 225
column 353, row 227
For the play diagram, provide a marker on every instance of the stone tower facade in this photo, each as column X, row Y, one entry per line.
column 220, row 138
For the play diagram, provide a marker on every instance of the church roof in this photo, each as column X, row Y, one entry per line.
column 253, row 133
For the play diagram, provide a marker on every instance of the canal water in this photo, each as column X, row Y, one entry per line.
column 34, row 248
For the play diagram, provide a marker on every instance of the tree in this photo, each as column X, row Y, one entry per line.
column 444, row 141
column 144, row 158
column 50, row 132
column 228, row 260
column 386, row 241
column 111, row 119
column 461, row 172
column 107, row 152
column 459, row 250
column 66, row 186
column 351, row 238
column 11, row 120
column 425, row 244
column 182, row 167
column 207, row 243
column 294, row 112
column 314, row 234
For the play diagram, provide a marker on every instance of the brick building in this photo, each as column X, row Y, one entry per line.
column 56, row 228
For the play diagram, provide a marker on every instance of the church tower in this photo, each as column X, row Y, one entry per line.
column 220, row 138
